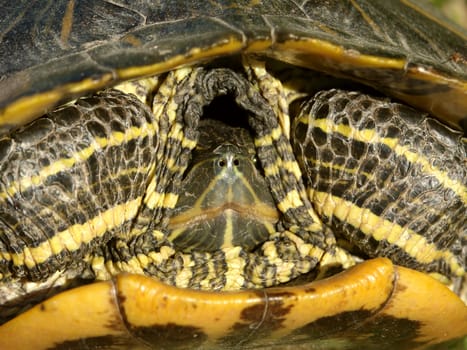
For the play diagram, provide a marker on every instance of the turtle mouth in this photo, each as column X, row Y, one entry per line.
column 259, row 212
column 223, row 226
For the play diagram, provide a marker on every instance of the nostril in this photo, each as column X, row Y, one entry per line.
column 236, row 162
column 222, row 163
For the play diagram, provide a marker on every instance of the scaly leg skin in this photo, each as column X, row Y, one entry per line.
column 86, row 191
column 388, row 178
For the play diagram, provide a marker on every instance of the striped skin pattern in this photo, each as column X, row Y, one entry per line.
column 86, row 192
column 223, row 199
column 71, row 181
column 389, row 179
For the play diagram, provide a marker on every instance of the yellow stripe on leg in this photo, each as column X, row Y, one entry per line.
column 411, row 242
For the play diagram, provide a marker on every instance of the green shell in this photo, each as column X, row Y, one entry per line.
column 54, row 52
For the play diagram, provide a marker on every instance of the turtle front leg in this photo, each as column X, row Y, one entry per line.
column 70, row 181
column 386, row 178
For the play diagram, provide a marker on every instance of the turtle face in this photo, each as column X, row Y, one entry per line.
column 223, row 201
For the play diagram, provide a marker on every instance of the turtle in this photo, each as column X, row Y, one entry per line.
column 232, row 174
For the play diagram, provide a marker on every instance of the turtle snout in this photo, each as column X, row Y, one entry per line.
column 229, row 161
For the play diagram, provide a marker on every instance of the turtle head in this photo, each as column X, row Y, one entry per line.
column 223, row 199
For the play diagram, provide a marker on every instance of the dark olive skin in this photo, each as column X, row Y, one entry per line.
column 224, row 200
